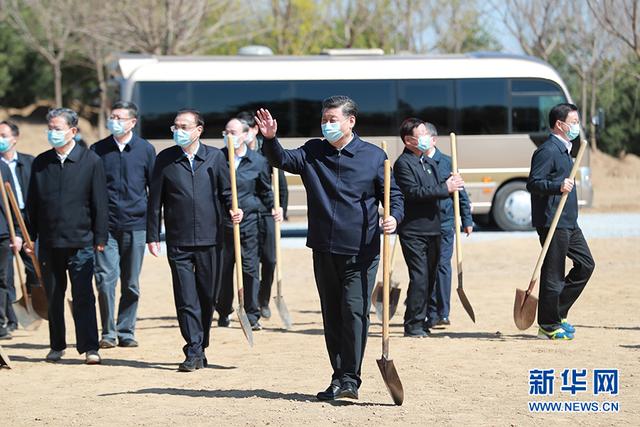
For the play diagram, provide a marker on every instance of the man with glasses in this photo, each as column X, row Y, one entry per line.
column 551, row 166
column 128, row 164
column 190, row 182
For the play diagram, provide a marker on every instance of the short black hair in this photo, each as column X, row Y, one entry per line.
column 247, row 117
column 560, row 112
column 15, row 130
column 348, row 105
column 196, row 114
column 126, row 105
column 408, row 125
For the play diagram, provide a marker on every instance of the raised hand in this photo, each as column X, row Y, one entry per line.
column 267, row 124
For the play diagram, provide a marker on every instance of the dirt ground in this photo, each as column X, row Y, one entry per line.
column 467, row 374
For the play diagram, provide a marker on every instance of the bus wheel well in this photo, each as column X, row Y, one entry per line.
column 511, row 206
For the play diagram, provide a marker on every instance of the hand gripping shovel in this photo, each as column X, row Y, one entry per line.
column 242, row 315
column 387, row 368
column 25, row 313
column 279, row 299
column 525, row 305
column 394, row 297
column 38, row 294
column 457, row 225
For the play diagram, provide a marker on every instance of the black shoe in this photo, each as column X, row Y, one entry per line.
column 430, row 324
column 224, row 321
column 127, row 342
column 205, row 362
column 444, row 321
column 12, row 327
column 104, row 343
column 420, row 333
column 348, row 391
column 190, row 364
column 330, row 393
column 265, row 311
column 5, row 334
column 256, row 326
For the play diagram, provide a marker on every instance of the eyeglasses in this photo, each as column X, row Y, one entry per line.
column 175, row 128
column 225, row 133
column 114, row 117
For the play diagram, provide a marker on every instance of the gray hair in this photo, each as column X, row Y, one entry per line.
column 70, row 116
column 348, row 105
column 431, row 129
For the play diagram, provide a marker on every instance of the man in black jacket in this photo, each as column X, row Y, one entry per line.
column 128, row 163
column 548, row 180
column 254, row 193
column 67, row 211
column 418, row 178
column 20, row 167
column 344, row 179
column 190, row 184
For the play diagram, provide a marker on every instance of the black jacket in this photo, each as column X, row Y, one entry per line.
column 193, row 202
column 550, row 165
column 128, row 177
column 446, row 205
column 344, row 189
column 4, row 224
column 253, row 181
column 420, row 183
column 23, row 171
column 67, row 203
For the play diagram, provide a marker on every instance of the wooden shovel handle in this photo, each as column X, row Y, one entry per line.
column 385, row 262
column 12, row 234
column 556, row 219
column 456, row 201
column 237, row 248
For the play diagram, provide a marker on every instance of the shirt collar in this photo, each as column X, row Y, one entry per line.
column 70, row 154
column 14, row 159
column 128, row 141
column 567, row 144
column 196, row 153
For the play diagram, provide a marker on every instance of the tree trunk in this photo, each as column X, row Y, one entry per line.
column 104, row 100
column 57, row 82
column 593, row 113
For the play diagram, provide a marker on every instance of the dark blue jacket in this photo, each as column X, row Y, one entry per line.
column 5, row 172
column 344, row 189
column 128, row 178
column 446, row 205
column 193, row 201
column 550, row 165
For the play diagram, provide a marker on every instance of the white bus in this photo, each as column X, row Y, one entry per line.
column 497, row 104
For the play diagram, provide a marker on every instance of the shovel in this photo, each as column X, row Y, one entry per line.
column 387, row 368
column 4, row 359
column 394, row 298
column 525, row 305
column 242, row 315
column 457, row 225
column 279, row 299
column 38, row 294
column 26, row 315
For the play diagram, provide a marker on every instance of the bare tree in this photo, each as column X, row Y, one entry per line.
column 46, row 27
column 620, row 18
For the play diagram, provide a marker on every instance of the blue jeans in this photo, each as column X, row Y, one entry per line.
column 443, row 280
column 122, row 257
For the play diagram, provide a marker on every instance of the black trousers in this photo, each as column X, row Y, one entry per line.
column 195, row 272
column 345, row 283
column 421, row 253
column 267, row 249
column 6, row 311
column 250, row 260
column 78, row 263
column 557, row 291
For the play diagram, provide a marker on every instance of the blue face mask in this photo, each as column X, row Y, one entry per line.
column 237, row 142
column 332, row 132
column 424, row 143
column 181, row 137
column 573, row 132
column 56, row 138
column 4, row 145
column 116, row 127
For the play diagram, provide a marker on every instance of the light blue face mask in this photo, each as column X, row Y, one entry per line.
column 573, row 132
column 424, row 143
column 56, row 138
column 4, row 145
column 332, row 132
column 181, row 137
column 116, row 127
column 237, row 142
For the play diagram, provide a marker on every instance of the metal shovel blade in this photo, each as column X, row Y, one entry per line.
column 39, row 301
column 391, row 379
column 26, row 315
column 283, row 311
column 4, row 359
column 466, row 304
column 394, row 299
column 525, row 308
column 245, row 325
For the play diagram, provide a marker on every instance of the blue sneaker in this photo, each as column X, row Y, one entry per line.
column 556, row 334
column 567, row 326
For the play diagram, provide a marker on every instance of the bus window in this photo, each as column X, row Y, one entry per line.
column 376, row 101
column 430, row 100
column 531, row 101
column 482, row 106
column 157, row 101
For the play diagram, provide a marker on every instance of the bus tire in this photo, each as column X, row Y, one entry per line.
column 511, row 208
